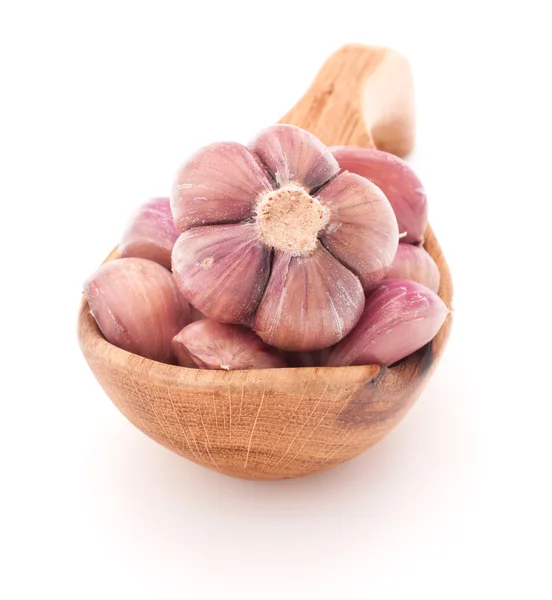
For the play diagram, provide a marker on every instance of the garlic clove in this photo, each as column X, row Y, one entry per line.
column 414, row 263
column 218, row 184
column 362, row 232
column 309, row 303
column 399, row 318
column 208, row 344
column 222, row 270
column 137, row 306
column 396, row 180
column 151, row 233
column 293, row 155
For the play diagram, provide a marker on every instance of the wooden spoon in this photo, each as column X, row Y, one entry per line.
column 278, row 423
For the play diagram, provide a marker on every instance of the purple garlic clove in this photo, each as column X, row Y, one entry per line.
column 399, row 318
column 222, row 270
column 396, row 180
column 362, row 231
column 151, row 233
column 414, row 263
column 218, row 184
column 317, row 285
column 294, row 155
column 207, row 344
column 137, row 306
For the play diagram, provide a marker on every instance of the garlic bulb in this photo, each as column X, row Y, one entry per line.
column 206, row 344
column 400, row 317
column 137, row 306
column 151, row 233
column 397, row 181
column 414, row 263
column 276, row 239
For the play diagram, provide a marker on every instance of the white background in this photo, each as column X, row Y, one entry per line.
column 100, row 102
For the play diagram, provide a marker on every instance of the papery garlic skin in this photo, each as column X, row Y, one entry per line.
column 397, row 181
column 293, row 155
column 150, row 233
column 363, row 239
column 206, row 344
column 414, row 263
column 222, row 270
column 274, row 238
column 399, row 318
column 217, row 184
column 137, row 306
column 299, row 286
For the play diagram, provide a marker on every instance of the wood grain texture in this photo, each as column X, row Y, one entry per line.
column 281, row 423
column 362, row 96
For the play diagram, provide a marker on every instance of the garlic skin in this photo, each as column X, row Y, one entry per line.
column 397, row 181
column 150, row 233
column 275, row 238
column 222, row 270
column 137, row 306
column 217, row 184
column 414, row 263
column 293, row 155
column 207, row 344
column 299, row 287
column 363, row 239
column 399, row 318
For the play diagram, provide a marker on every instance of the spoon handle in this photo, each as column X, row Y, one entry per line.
column 362, row 96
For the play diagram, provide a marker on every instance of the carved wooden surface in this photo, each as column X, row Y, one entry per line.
column 276, row 423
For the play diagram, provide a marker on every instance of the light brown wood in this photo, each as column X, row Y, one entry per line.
column 278, row 423
column 362, row 96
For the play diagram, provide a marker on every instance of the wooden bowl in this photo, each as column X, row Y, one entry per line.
column 281, row 423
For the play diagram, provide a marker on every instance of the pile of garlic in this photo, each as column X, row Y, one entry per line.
column 283, row 253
